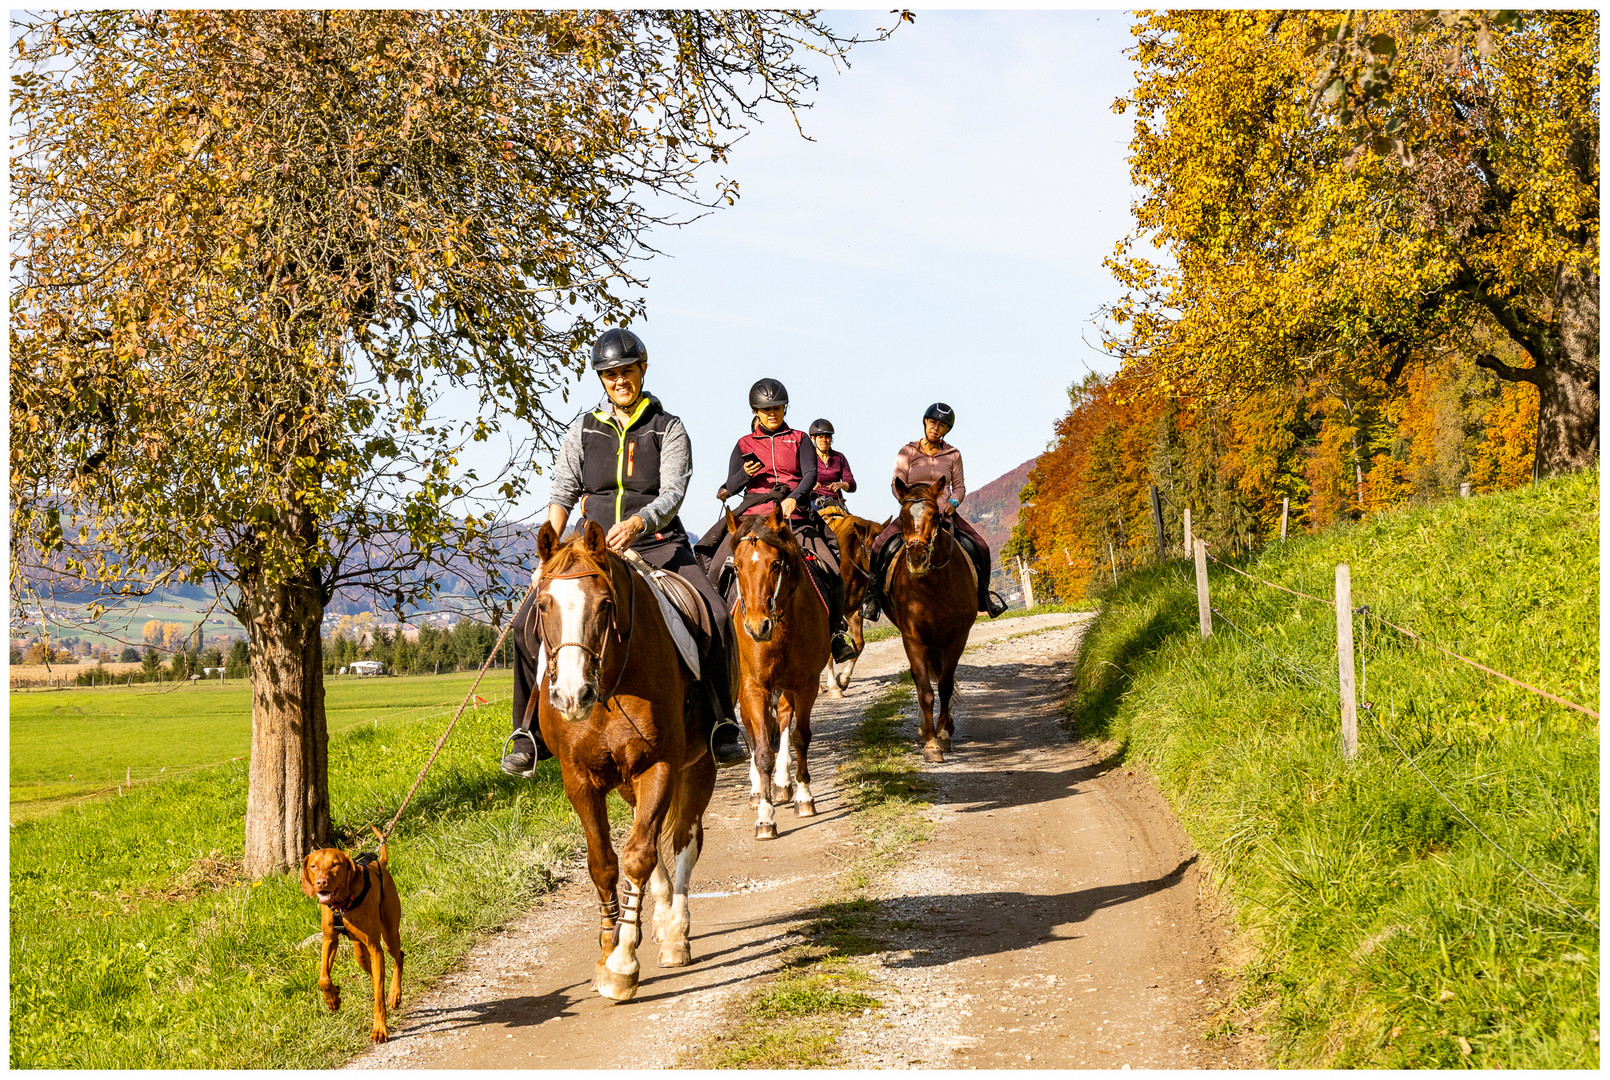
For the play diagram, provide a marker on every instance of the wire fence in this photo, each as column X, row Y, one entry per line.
column 1336, row 690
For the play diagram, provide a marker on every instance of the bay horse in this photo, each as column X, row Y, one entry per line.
column 855, row 536
column 616, row 705
column 782, row 632
column 933, row 599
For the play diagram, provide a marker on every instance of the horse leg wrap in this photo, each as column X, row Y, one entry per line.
column 617, row 978
column 609, row 914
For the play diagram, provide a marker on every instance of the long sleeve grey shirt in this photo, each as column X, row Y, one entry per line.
column 676, row 467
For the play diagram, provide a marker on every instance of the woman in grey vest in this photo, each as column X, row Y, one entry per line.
column 628, row 462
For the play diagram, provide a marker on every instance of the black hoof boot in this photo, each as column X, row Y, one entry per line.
column 726, row 744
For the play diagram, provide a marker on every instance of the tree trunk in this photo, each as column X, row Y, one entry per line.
column 1568, row 387
column 288, row 797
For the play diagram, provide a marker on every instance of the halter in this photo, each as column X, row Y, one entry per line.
column 771, row 611
column 598, row 653
column 928, row 545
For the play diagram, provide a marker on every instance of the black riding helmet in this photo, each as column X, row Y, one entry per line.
column 767, row 394
column 820, row 427
column 941, row 412
column 617, row 348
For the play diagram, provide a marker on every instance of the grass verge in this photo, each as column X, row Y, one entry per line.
column 793, row 1021
column 135, row 943
column 1390, row 931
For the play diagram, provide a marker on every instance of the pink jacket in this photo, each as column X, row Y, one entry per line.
column 912, row 466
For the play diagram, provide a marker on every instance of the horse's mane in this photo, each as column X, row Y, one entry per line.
column 757, row 525
column 573, row 558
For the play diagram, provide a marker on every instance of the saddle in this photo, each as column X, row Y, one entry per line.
column 682, row 607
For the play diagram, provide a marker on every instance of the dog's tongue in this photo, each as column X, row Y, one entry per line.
column 326, row 897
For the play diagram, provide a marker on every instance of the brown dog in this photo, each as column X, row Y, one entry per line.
column 360, row 900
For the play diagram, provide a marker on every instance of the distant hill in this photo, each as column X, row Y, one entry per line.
column 993, row 507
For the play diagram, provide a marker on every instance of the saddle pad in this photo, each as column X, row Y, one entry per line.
column 670, row 590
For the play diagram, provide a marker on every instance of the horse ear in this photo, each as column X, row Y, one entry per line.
column 775, row 518
column 939, row 486
column 594, row 539
column 732, row 522
column 547, row 540
column 900, row 489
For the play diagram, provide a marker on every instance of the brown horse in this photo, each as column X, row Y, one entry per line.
column 933, row 598
column 782, row 644
column 855, row 536
column 615, row 708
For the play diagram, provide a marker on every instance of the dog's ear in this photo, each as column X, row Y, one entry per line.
column 350, row 868
column 307, row 878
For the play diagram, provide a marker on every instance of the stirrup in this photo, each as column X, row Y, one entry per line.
column 527, row 773
column 742, row 753
column 994, row 604
column 843, row 647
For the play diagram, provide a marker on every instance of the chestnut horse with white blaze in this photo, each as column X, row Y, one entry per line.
column 933, row 598
column 855, row 536
column 780, row 624
column 616, row 706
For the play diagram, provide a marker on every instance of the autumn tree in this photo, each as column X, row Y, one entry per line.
column 253, row 250
column 1336, row 196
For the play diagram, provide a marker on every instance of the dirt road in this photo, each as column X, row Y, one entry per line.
column 1053, row 920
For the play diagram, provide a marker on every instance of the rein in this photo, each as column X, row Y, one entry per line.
column 928, row 545
column 771, row 601
column 598, row 653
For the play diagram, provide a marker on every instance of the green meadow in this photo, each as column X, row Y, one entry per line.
column 67, row 743
column 135, row 941
column 1434, row 902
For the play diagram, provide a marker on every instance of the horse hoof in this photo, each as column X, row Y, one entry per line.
column 678, row 955
column 932, row 755
column 615, row 986
column 754, row 800
column 765, row 830
column 805, row 809
column 835, row 692
column 944, row 743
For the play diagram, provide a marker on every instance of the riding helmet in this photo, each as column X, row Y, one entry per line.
column 820, row 427
column 941, row 412
column 616, row 348
column 767, row 394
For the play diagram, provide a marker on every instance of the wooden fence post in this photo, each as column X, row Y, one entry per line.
column 1285, row 505
column 1189, row 546
column 1028, row 586
column 1344, row 654
column 1204, row 613
column 1157, row 520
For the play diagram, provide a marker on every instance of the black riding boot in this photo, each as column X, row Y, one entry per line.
column 726, row 745
column 987, row 601
column 843, row 645
column 877, row 572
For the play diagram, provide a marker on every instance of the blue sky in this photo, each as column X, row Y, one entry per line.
column 940, row 239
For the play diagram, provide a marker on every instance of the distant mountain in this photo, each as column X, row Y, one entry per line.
column 993, row 508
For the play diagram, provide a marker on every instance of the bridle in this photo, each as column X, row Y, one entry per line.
column 928, row 545
column 770, row 611
column 598, row 653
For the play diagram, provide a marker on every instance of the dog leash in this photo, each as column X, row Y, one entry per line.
column 462, row 706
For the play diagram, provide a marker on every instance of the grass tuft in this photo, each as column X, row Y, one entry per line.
column 1390, row 932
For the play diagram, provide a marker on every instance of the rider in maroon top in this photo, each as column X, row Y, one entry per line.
column 776, row 456
column 833, row 475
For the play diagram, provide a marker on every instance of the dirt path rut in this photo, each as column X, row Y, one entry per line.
column 1053, row 920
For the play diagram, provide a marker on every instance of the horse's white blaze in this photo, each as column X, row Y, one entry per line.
column 569, row 667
